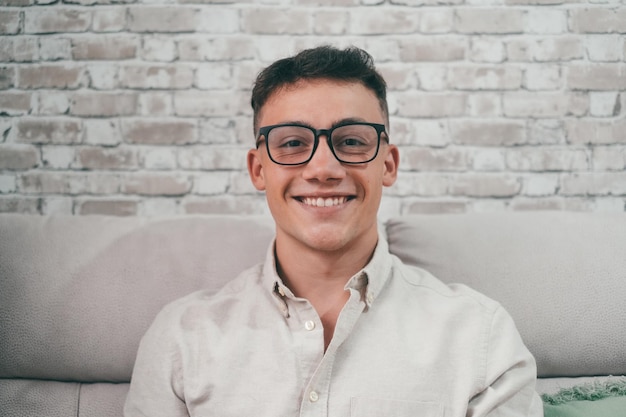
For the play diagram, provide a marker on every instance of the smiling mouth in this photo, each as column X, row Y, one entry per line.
column 324, row 202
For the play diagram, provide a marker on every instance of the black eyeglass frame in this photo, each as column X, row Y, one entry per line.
column 265, row 131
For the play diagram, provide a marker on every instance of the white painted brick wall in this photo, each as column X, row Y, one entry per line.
column 142, row 107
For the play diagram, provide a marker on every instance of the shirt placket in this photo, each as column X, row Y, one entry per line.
column 316, row 395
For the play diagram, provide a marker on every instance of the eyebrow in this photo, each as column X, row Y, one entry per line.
column 341, row 122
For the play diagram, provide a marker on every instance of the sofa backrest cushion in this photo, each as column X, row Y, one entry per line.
column 561, row 275
column 77, row 293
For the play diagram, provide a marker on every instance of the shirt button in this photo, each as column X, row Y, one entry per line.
column 370, row 298
column 313, row 396
column 309, row 325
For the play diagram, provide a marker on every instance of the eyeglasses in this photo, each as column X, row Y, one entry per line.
column 294, row 144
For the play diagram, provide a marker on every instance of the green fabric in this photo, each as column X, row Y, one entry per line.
column 600, row 399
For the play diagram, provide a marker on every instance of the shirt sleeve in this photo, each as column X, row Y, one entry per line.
column 156, row 387
column 510, row 375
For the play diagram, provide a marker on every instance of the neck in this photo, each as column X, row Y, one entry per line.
column 321, row 276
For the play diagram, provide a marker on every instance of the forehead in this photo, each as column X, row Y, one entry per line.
column 321, row 103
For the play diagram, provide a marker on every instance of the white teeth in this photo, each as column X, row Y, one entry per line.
column 324, row 202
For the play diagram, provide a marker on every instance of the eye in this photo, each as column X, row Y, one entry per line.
column 353, row 141
column 291, row 143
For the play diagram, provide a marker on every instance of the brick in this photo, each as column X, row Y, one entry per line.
column 609, row 158
column 487, row 132
column 217, row 103
column 225, row 205
column 425, row 133
column 7, row 78
column 214, row 76
column 551, row 49
column 156, row 76
column 488, row 159
column 104, row 132
column 399, row 76
column 109, row 19
column 538, row 185
column 155, row 103
column 609, row 204
column 102, row 104
column 218, row 49
column 14, row 103
column 55, row 19
column 435, row 49
column 485, row 185
column 224, row 131
column 160, row 132
column 53, row 102
column 432, row 77
column 427, row 159
column 594, row 183
column 44, row 131
column 161, row 49
column 595, row 132
column 103, row 76
column 162, row 19
column 435, row 207
column 19, row 49
column 158, row 206
column 436, row 21
column 495, row 20
column 543, row 77
column 23, row 205
column 547, row 159
column 605, row 48
column 212, row 183
column 598, row 20
column 330, row 23
column 544, row 105
column 213, row 158
column 18, row 157
column 546, row 21
column 219, row 20
column 487, row 49
column 107, row 47
column 9, row 22
column 68, row 183
column 7, row 184
column 106, row 158
column 485, row 78
column 420, row 184
column 51, row 76
column 484, row 104
column 158, row 158
column 240, row 183
column 370, row 21
column 431, row 104
column 51, row 205
column 58, row 157
column 55, row 49
column 155, row 184
column 604, row 104
column 546, row 132
column 276, row 21
column 550, row 203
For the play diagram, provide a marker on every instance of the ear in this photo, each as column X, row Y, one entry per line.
column 392, row 160
column 255, row 169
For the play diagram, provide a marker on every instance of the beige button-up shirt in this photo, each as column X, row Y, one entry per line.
column 405, row 344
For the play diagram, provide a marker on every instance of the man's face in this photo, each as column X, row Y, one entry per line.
column 350, row 193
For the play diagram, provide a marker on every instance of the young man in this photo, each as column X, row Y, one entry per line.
column 331, row 324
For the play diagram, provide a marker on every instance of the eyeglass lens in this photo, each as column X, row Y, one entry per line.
column 296, row 144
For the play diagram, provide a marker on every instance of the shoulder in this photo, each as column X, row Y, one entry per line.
column 205, row 306
column 418, row 281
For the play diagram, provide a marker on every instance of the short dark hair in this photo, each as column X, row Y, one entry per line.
column 324, row 62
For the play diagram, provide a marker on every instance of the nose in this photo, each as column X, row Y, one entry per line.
column 323, row 166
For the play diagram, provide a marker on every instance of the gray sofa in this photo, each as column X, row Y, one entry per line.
column 77, row 293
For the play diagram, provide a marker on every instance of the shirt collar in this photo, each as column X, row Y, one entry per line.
column 369, row 281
